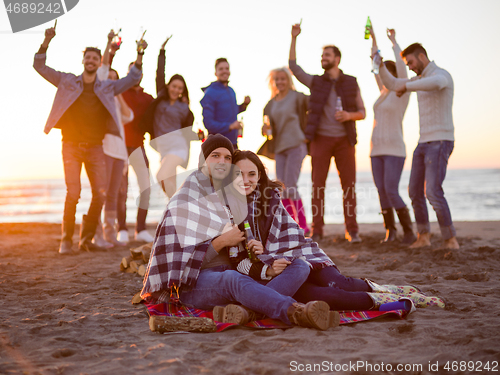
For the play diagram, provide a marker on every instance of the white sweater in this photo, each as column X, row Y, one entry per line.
column 435, row 100
column 389, row 110
column 112, row 145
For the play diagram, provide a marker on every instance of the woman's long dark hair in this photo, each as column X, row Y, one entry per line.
column 185, row 92
column 265, row 186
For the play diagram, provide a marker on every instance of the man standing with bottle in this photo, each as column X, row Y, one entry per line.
column 220, row 109
column 434, row 87
column 334, row 107
column 84, row 110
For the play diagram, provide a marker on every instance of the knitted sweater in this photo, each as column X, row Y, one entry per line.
column 389, row 110
column 435, row 99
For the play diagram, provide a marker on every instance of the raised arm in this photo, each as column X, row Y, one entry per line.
column 160, row 69
column 103, row 71
column 135, row 73
column 400, row 64
column 297, row 71
column 141, row 47
column 105, row 56
column 51, row 75
column 391, row 82
column 243, row 106
column 374, row 52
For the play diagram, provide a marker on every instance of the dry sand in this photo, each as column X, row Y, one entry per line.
column 72, row 314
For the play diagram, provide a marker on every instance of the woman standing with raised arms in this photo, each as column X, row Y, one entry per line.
column 285, row 118
column 164, row 120
column 388, row 151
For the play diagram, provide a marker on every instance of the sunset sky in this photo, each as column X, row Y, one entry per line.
column 460, row 36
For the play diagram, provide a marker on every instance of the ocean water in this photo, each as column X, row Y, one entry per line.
column 473, row 195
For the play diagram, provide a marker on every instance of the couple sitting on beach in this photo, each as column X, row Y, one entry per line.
column 201, row 257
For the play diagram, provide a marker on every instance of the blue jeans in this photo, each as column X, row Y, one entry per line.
column 428, row 171
column 386, row 171
column 220, row 285
column 114, row 172
column 289, row 281
column 288, row 165
column 340, row 292
column 74, row 155
column 145, row 192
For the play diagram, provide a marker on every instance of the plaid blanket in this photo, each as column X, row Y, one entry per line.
column 194, row 216
column 286, row 239
column 346, row 317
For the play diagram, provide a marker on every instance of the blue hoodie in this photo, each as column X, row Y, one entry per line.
column 220, row 110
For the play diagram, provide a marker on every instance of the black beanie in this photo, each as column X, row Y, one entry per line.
column 213, row 142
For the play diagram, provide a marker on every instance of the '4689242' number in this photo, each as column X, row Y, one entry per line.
column 471, row 366
column 33, row 8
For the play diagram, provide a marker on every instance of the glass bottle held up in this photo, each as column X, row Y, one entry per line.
column 139, row 42
column 248, row 237
column 240, row 130
column 117, row 39
column 368, row 26
column 267, row 128
column 377, row 59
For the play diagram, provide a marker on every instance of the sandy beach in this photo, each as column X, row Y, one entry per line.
column 73, row 315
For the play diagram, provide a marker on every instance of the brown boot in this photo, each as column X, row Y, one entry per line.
column 109, row 228
column 315, row 314
column 390, row 226
column 333, row 319
column 235, row 314
column 405, row 221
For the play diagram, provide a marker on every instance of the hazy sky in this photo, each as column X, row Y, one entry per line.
column 461, row 36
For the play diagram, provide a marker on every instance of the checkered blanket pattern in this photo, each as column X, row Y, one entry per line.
column 346, row 317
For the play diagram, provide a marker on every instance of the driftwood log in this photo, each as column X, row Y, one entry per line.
column 161, row 324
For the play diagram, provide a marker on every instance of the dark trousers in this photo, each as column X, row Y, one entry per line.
column 340, row 292
column 92, row 157
column 143, row 204
column 322, row 150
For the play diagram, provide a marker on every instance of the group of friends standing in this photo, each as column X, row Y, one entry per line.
column 286, row 276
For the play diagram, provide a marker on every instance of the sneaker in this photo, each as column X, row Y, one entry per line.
column 315, row 314
column 144, row 236
column 353, row 237
column 122, row 236
column 66, row 247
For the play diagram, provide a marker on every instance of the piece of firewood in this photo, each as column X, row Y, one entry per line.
column 136, row 299
column 136, row 253
column 134, row 265
column 141, row 271
column 146, row 253
column 126, row 262
column 161, row 324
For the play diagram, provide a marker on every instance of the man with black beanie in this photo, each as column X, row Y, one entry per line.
column 190, row 262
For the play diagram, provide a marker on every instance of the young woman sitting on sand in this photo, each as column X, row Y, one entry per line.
column 286, row 245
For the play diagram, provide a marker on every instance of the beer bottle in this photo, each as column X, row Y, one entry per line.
column 248, row 237
column 367, row 28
